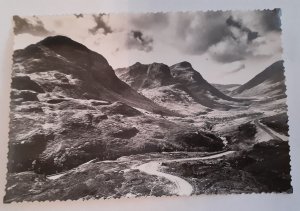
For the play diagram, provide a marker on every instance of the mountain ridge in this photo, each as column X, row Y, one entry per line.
column 181, row 81
column 269, row 82
column 60, row 55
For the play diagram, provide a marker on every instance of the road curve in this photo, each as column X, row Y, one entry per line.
column 182, row 187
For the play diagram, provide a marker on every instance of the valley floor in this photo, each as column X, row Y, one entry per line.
column 253, row 158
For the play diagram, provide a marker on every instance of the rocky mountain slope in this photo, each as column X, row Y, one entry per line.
column 68, row 106
column 78, row 132
column 270, row 83
column 68, row 68
column 178, row 87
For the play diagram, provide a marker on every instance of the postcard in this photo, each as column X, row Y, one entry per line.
column 127, row 105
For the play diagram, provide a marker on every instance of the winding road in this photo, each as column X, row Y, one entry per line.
column 182, row 187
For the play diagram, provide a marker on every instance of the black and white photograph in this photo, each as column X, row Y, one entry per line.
column 126, row 105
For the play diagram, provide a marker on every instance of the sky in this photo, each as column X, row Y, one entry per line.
column 226, row 47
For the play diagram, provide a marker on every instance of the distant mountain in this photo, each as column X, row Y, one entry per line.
column 61, row 65
column 200, row 89
column 142, row 76
column 226, row 88
column 178, row 87
column 269, row 83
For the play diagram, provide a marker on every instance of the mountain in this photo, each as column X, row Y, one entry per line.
column 179, row 87
column 75, row 127
column 68, row 107
column 59, row 64
column 142, row 76
column 200, row 89
column 267, row 84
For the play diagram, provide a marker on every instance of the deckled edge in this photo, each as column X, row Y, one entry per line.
column 283, row 56
column 10, row 65
column 136, row 13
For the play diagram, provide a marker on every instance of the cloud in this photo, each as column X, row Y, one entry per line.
column 189, row 32
column 213, row 46
column 244, row 42
column 238, row 69
column 34, row 26
column 226, row 36
column 250, row 34
column 137, row 40
column 100, row 25
column 196, row 32
column 262, row 21
column 234, row 45
column 229, row 50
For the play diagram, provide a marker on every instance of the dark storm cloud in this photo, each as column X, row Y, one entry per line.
column 251, row 35
column 100, row 24
column 36, row 28
column 137, row 40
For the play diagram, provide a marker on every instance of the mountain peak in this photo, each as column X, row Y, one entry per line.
column 184, row 69
column 60, row 40
column 184, row 64
column 159, row 72
column 137, row 64
column 62, row 58
column 146, row 75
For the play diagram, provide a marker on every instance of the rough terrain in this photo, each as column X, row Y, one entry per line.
column 79, row 131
